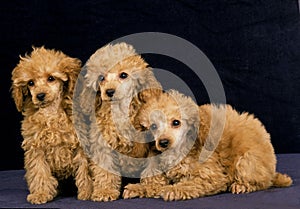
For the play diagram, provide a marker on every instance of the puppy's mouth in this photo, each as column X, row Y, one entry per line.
column 42, row 104
column 110, row 95
column 110, row 99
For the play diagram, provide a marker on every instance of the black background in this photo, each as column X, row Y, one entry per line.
column 254, row 46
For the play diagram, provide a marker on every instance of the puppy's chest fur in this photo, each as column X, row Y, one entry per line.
column 179, row 169
column 114, row 124
column 114, row 127
column 54, row 136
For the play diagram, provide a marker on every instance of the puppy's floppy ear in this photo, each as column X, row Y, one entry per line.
column 85, row 94
column 18, row 89
column 193, row 125
column 146, row 94
column 71, row 67
column 149, row 85
column 19, row 94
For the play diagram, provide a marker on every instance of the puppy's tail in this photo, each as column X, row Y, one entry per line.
column 282, row 180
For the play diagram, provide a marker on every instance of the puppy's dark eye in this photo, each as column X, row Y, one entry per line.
column 142, row 128
column 175, row 123
column 30, row 83
column 153, row 126
column 51, row 78
column 101, row 78
column 123, row 75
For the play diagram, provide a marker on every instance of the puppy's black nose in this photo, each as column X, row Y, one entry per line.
column 110, row 92
column 164, row 143
column 41, row 96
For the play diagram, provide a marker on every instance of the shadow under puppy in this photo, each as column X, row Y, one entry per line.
column 203, row 151
column 123, row 81
column 42, row 88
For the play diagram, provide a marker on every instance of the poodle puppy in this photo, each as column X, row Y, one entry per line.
column 42, row 89
column 203, row 151
column 123, row 81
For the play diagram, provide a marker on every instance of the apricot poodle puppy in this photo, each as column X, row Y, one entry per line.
column 42, row 88
column 204, row 150
column 122, row 81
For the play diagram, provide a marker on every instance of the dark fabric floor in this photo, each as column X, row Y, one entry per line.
column 13, row 192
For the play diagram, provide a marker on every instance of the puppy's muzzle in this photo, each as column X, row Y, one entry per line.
column 110, row 92
column 41, row 96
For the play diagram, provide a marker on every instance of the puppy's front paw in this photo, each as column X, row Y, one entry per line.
column 84, row 195
column 133, row 190
column 171, row 192
column 105, row 195
column 39, row 198
column 85, row 190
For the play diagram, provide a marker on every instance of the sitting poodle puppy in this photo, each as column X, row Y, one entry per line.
column 203, row 151
column 123, row 81
column 42, row 88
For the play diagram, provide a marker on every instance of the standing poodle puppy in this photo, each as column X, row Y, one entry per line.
column 42, row 88
column 200, row 154
column 122, row 81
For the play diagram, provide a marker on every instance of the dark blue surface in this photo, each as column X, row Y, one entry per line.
column 13, row 192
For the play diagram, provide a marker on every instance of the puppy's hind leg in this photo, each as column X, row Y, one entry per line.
column 205, row 179
column 252, row 173
column 190, row 189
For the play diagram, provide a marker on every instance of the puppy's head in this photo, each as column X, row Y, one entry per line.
column 126, row 79
column 118, row 72
column 43, row 76
column 171, row 119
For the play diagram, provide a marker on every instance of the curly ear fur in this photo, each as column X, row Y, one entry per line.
column 86, row 94
column 19, row 94
column 144, row 95
column 19, row 90
column 188, row 108
column 147, row 88
column 71, row 67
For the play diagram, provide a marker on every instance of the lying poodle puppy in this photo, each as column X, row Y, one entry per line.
column 242, row 160
column 42, row 88
column 123, row 81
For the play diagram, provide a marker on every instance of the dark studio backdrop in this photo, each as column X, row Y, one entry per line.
column 254, row 45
